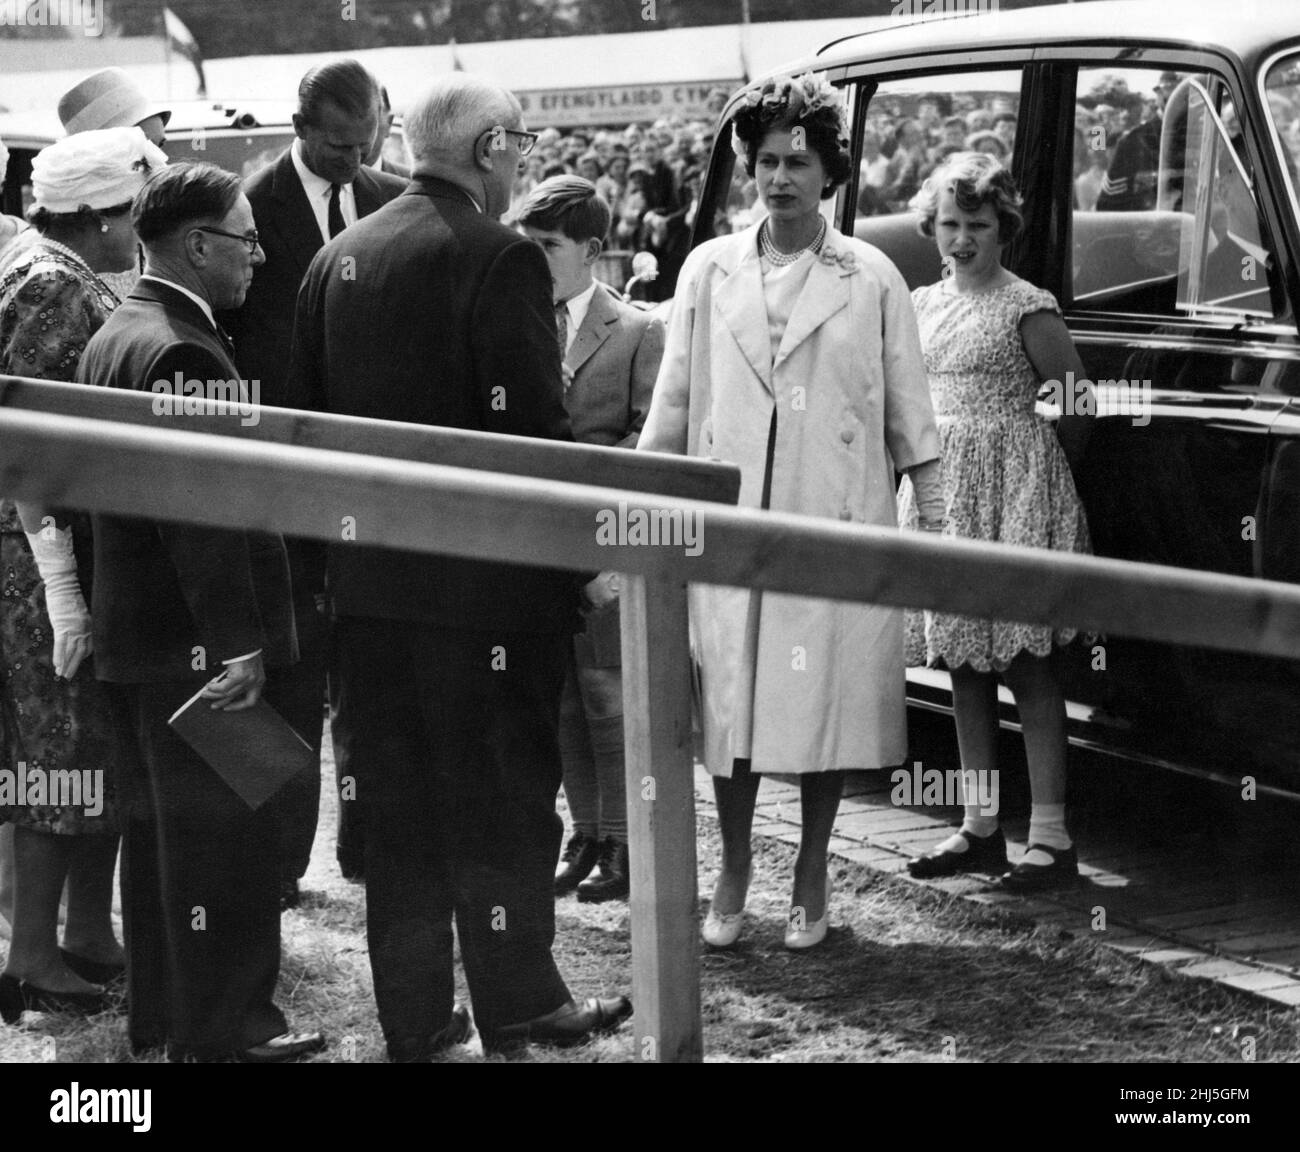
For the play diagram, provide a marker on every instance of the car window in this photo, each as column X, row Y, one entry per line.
column 1165, row 217
column 912, row 125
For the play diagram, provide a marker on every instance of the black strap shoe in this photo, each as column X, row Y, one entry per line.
column 985, row 854
column 612, row 880
column 1062, row 872
column 580, row 856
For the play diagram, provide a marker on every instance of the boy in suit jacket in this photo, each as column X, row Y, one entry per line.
column 611, row 355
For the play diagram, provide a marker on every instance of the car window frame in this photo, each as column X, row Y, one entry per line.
column 1070, row 59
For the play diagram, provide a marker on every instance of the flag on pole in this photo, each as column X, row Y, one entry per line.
column 180, row 38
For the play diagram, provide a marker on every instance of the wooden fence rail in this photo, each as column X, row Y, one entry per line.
column 392, row 502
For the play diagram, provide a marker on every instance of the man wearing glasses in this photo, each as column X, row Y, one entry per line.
column 450, row 670
column 178, row 608
column 314, row 190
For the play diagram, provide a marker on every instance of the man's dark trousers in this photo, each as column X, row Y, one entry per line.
column 199, row 882
column 456, row 759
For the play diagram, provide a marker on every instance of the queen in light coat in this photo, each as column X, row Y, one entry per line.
column 793, row 684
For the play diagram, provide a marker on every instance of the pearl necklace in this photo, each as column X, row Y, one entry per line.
column 774, row 256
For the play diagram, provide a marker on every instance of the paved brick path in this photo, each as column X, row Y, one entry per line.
column 1158, row 905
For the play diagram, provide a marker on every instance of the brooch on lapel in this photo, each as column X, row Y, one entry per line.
column 833, row 257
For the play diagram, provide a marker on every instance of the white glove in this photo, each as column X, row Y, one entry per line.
column 52, row 548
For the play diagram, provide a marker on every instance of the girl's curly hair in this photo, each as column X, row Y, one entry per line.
column 787, row 103
column 975, row 179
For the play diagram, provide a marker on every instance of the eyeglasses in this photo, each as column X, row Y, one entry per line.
column 250, row 238
column 527, row 140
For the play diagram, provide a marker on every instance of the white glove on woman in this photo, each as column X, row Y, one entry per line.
column 52, row 548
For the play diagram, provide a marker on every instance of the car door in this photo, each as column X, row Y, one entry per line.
column 1170, row 275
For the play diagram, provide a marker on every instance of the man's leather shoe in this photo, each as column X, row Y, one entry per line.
column 612, row 880
column 580, row 856
column 1062, row 872
column 458, row 1030
column 290, row 897
column 985, row 854
column 570, row 1024
column 286, row 1046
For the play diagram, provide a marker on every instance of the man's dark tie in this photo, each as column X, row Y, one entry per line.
column 336, row 213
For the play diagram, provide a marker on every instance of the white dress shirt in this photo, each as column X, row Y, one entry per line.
column 318, row 194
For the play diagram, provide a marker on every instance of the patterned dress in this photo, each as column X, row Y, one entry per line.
column 50, row 305
column 1005, row 476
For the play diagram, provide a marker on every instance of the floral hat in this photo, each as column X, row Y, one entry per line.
column 797, row 96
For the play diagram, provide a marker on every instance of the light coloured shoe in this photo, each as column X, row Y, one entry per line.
column 722, row 929
column 800, row 939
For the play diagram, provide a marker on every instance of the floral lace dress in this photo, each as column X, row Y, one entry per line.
column 1005, row 476
column 50, row 305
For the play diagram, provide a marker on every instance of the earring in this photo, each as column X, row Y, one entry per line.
column 103, row 227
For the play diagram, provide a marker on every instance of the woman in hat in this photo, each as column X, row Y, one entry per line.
column 792, row 351
column 55, row 717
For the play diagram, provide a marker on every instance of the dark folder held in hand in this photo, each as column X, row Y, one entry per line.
column 253, row 750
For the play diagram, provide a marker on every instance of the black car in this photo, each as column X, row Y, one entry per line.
column 1157, row 150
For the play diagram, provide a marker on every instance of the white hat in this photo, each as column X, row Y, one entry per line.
column 106, row 99
column 96, row 169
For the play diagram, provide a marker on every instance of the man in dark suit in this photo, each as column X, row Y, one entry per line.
column 174, row 604
column 450, row 670
column 314, row 190
column 611, row 358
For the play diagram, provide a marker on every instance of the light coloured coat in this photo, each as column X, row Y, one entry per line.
column 818, row 685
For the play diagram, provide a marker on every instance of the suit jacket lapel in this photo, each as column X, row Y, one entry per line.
column 595, row 330
column 294, row 218
column 739, row 301
column 366, row 194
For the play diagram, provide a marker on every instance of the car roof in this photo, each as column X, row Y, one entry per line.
column 36, row 129
column 1244, row 28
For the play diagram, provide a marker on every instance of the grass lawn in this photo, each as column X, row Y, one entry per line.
column 907, row 975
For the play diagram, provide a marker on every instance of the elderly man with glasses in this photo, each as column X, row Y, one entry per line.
column 448, row 321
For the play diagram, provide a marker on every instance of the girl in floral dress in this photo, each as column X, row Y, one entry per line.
column 990, row 341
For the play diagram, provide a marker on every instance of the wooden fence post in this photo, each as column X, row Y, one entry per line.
column 661, row 820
